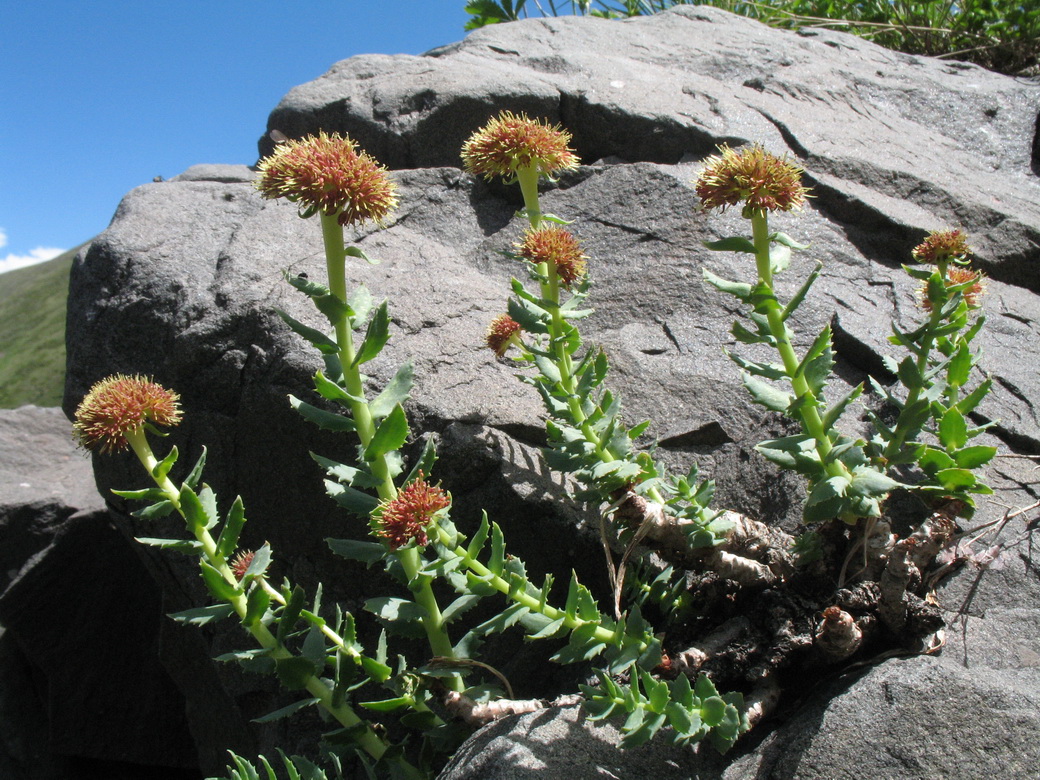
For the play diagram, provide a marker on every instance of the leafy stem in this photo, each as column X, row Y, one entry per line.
column 808, row 408
column 234, row 593
column 335, row 261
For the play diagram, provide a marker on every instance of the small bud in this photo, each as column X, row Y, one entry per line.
column 503, row 333
column 753, row 177
column 556, row 247
column 120, row 404
column 510, row 142
column 943, row 246
column 241, row 562
column 406, row 517
column 326, row 173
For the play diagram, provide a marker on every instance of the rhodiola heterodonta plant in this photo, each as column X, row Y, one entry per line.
column 701, row 599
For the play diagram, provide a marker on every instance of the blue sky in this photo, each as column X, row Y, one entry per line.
column 98, row 96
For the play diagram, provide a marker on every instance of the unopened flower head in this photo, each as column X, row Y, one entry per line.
column 119, row 405
column 503, row 333
column 752, row 177
column 957, row 275
column 557, row 247
column 510, row 142
column 327, row 174
column 942, row 246
column 241, row 562
column 406, row 517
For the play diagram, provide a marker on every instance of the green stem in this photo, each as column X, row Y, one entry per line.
column 901, row 431
column 533, row 603
column 368, row 739
column 336, row 264
column 809, row 411
column 433, row 620
column 335, row 257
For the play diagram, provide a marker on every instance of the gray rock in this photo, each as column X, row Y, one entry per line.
column 183, row 284
column 83, row 688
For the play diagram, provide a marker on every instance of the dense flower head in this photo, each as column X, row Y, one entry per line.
column 752, row 177
column 942, row 246
column 406, row 517
column 554, row 246
column 120, row 404
column 327, row 174
column 510, row 142
column 502, row 333
column 958, row 275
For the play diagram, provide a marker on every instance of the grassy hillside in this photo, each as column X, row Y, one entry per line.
column 32, row 333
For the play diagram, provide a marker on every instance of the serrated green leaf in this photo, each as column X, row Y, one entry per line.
column 217, row 585
column 731, row 244
column 233, row 523
column 973, row 457
column 797, row 453
column 832, row 415
column 956, row 479
column 953, row 430
column 256, row 606
column 200, row 616
column 329, row 421
column 391, row 434
column 376, row 336
column 361, row 303
column 147, row 494
column 193, row 510
column 313, row 336
column 349, row 498
column 766, row 395
column 285, row 712
column 358, row 252
column 195, row 475
column 357, row 550
column 767, row 370
column 739, row 290
column 294, row 673
column 871, row 483
column 395, row 393
column 162, row 469
column 799, row 296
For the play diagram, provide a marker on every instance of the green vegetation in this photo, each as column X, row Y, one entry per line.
column 1002, row 35
column 32, row 321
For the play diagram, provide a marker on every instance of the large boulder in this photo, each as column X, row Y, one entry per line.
column 84, row 694
column 184, row 283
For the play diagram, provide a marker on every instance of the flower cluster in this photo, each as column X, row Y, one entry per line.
column 753, row 177
column 406, row 517
column 509, row 143
column 557, row 248
column 943, row 246
column 502, row 333
column 119, row 405
column 327, row 174
column 957, row 275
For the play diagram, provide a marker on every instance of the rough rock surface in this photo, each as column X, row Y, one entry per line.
column 183, row 284
column 83, row 694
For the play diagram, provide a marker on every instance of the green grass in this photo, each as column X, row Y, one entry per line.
column 32, row 333
column 1002, row 35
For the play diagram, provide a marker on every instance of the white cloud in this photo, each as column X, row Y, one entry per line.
column 38, row 255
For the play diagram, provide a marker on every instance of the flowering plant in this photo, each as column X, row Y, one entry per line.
column 649, row 667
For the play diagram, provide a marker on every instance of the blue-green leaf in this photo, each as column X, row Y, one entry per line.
column 285, row 712
column 731, row 244
column 391, row 434
column 396, row 392
column 329, row 421
column 376, row 336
